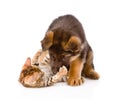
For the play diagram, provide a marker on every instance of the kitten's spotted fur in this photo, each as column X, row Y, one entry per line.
column 38, row 72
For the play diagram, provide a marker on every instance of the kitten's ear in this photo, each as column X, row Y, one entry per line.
column 28, row 62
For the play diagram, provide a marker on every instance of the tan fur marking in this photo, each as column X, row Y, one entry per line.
column 47, row 41
column 74, row 57
column 72, row 41
column 75, row 73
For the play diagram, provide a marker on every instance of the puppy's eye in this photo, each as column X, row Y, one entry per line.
column 77, row 51
column 70, row 51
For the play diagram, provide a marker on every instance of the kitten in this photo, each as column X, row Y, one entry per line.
column 40, row 76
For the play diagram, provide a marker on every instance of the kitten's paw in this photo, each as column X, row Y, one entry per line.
column 35, row 62
column 63, row 70
column 51, row 81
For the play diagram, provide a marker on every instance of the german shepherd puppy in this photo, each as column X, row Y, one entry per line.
column 67, row 45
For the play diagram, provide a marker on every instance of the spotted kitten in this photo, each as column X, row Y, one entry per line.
column 38, row 72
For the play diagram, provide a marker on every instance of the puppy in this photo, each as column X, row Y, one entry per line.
column 67, row 45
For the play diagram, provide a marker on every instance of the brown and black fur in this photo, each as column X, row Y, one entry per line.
column 67, row 45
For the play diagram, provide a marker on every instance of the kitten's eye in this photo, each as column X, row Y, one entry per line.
column 25, row 72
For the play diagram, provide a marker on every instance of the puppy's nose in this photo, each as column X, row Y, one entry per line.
column 62, row 58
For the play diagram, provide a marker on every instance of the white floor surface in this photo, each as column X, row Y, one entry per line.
column 23, row 25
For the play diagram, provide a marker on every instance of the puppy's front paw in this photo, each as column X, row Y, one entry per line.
column 72, row 81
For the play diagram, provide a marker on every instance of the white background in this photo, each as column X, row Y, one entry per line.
column 23, row 24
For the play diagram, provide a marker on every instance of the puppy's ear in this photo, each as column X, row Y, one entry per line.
column 47, row 41
column 73, row 44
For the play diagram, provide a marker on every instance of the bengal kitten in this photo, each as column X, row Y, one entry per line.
column 38, row 72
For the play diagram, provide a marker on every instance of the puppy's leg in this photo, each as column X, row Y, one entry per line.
column 88, row 70
column 74, row 75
